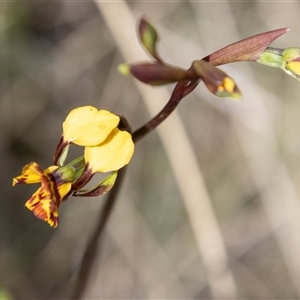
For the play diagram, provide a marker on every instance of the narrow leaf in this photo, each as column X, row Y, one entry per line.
column 248, row 49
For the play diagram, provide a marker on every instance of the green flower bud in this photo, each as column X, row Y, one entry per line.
column 291, row 57
column 271, row 57
column 288, row 60
column 291, row 54
column 148, row 36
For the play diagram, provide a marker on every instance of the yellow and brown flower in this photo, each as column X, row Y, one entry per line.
column 45, row 201
column 106, row 149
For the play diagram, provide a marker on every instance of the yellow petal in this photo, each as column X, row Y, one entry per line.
column 31, row 173
column 88, row 126
column 50, row 169
column 64, row 189
column 36, row 198
column 44, row 209
column 44, row 203
column 114, row 153
column 294, row 66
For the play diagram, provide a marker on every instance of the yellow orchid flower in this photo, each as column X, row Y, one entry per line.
column 46, row 200
column 107, row 149
column 88, row 126
column 112, row 154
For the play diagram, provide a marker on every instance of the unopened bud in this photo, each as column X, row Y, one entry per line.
column 216, row 81
column 155, row 73
column 148, row 36
column 291, row 57
column 288, row 60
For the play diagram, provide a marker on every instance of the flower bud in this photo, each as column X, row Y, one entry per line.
column 155, row 73
column 216, row 81
column 291, row 57
column 271, row 57
column 288, row 60
column 148, row 37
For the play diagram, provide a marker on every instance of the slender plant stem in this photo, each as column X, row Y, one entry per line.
column 182, row 89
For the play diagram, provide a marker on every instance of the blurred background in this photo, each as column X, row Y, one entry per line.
column 242, row 239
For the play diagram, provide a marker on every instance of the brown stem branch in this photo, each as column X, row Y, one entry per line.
column 182, row 89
